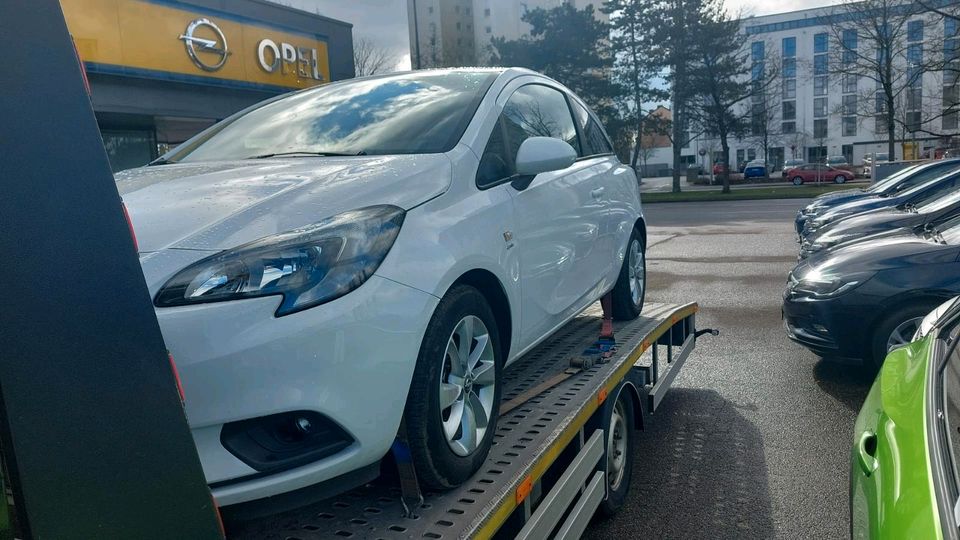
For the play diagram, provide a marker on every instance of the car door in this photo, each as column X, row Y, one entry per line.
column 557, row 216
column 619, row 188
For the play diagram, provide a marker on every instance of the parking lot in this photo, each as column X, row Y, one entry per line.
column 754, row 440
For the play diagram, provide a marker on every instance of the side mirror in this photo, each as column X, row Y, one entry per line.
column 544, row 154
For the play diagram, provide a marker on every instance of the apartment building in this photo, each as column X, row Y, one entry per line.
column 820, row 111
column 446, row 33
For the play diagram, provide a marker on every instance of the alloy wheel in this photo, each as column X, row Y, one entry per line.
column 903, row 333
column 467, row 383
column 636, row 271
column 617, row 446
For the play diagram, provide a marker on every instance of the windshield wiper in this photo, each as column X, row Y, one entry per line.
column 931, row 231
column 308, row 153
column 160, row 161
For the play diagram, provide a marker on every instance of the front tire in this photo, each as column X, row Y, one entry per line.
column 896, row 330
column 798, row 180
column 453, row 405
column 631, row 288
column 840, row 179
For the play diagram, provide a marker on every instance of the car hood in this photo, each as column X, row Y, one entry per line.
column 855, row 206
column 883, row 252
column 865, row 224
column 828, row 200
column 218, row 205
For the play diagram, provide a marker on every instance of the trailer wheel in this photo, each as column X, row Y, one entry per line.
column 618, row 458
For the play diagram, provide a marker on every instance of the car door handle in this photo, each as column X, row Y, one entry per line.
column 597, row 193
column 867, row 452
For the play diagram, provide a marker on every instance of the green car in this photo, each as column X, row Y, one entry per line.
column 904, row 480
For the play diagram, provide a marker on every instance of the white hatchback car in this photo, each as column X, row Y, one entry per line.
column 327, row 262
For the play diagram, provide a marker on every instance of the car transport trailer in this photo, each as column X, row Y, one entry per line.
column 561, row 451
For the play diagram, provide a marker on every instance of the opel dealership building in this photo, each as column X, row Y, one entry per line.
column 162, row 70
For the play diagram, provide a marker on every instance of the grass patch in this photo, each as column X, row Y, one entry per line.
column 744, row 194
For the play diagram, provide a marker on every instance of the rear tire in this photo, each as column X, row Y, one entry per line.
column 619, row 433
column 798, row 180
column 901, row 322
column 840, row 179
column 631, row 288
column 446, row 384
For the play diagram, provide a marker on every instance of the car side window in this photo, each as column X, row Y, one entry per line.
column 495, row 163
column 532, row 111
column 594, row 141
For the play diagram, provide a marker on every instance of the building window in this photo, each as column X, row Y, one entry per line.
column 820, row 85
column 430, row 10
column 915, row 30
column 880, row 103
column 881, row 124
column 789, row 47
column 456, row 9
column 789, row 110
column 788, row 127
column 850, row 105
column 950, row 106
column 820, row 128
column 849, row 126
column 757, row 51
column 850, row 39
column 458, row 26
column 789, row 88
column 488, row 29
column 850, row 83
column 820, row 43
column 467, row 11
column 820, row 107
column 847, row 151
column 913, row 121
column 486, row 12
column 459, row 41
column 820, row 64
column 949, row 121
column 789, row 67
column 914, row 98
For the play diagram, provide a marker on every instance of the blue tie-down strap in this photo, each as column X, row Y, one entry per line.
column 401, row 452
column 604, row 346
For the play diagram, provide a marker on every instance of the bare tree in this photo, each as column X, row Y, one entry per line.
column 884, row 53
column 371, row 58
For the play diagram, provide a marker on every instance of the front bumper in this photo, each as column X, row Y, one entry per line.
column 350, row 360
column 826, row 326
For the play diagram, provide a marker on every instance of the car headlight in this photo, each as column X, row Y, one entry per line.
column 307, row 266
column 818, row 285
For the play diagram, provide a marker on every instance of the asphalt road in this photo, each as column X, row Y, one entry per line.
column 753, row 441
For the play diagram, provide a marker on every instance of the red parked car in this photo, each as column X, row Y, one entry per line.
column 817, row 172
column 718, row 168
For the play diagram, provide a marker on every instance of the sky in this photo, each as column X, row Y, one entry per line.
column 385, row 21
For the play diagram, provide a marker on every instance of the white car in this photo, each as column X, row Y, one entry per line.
column 325, row 263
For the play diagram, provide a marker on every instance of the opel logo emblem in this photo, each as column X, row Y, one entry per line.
column 207, row 54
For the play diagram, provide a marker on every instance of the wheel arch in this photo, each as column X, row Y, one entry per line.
column 641, row 225
column 639, row 409
column 490, row 287
column 933, row 297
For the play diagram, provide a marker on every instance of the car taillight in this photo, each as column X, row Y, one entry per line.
column 133, row 235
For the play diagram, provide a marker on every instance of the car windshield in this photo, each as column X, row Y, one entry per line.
column 409, row 113
column 932, row 190
column 881, row 157
column 936, row 204
column 909, row 177
column 949, row 230
column 793, row 162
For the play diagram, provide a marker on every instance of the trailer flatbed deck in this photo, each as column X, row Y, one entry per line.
column 543, row 476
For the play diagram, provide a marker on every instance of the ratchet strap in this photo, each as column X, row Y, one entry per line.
column 410, row 495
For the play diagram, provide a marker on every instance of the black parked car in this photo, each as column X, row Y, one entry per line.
column 898, row 182
column 862, row 299
column 929, row 190
column 909, row 216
